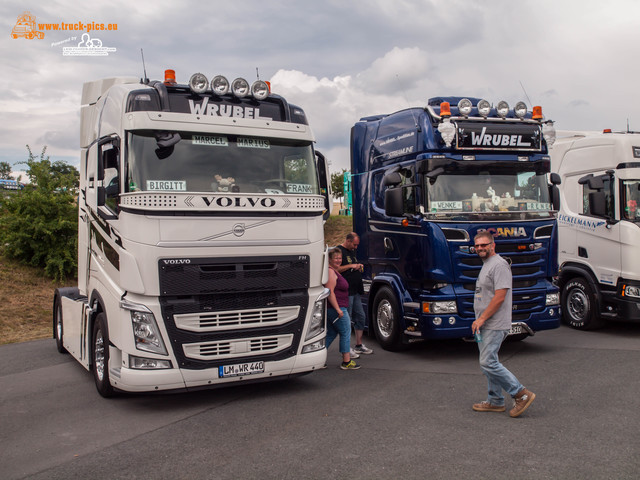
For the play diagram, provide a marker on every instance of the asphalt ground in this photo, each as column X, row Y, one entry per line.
column 402, row 415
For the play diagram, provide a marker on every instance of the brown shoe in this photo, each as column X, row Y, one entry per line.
column 523, row 399
column 487, row 407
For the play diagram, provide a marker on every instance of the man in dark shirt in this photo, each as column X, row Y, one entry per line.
column 351, row 270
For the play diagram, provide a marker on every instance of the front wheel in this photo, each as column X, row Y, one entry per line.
column 100, row 356
column 57, row 325
column 579, row 305
column 386, row 320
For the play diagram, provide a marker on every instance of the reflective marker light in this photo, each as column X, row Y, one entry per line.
column 520, row 110
column 484, row 108
column 260, row 90
column 198, row 83
column 464, row 107
column 240, row 87
column 502, row 109
column 170, row 77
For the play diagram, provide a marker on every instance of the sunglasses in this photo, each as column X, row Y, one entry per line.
column 482, row 245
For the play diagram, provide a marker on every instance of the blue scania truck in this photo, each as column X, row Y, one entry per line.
column 425, row 181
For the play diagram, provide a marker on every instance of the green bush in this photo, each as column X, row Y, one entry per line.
column 39, row 225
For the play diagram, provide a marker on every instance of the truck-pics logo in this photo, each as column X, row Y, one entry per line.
column 26, row 27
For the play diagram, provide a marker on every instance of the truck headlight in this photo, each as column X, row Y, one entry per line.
column 631, row 291
column 449, row 306
column 553, row 299
column 146, row 333
column 316, row 323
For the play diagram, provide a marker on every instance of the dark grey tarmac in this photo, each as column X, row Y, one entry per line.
column 401, row 416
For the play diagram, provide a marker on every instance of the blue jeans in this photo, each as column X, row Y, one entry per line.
column 499, row 378
column 339, row 326
column 356, row 312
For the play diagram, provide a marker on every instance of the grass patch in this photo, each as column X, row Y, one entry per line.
column 26, row 299
column 336, row 229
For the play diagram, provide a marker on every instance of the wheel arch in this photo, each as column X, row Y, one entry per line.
column 571, row 270
column 394, row 283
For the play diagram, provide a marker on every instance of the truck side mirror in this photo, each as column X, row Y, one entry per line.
column 391, row 179
column 555, row 179
column 325, row 184
column 393, row 204
column 554, row 193
column 597, row 204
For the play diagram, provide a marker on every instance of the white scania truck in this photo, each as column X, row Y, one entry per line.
column 201, row 254
column 599, row 226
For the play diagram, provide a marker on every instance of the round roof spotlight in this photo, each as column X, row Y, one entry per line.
column 484, row 108
column 464, row 107
column 502, row 109
column 220, row 85
column 198, row 83
column 260, row 90
column 520, row 110
column 240, row 87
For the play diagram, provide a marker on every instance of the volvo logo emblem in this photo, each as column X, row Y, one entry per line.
column 238, row 229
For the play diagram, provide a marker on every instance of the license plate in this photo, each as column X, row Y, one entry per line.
column 240, row 369
column 515, row 330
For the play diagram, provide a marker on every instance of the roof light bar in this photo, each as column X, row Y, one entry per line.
column 484, row 108
column 520, row 110
column 465, row 106
column 198, row 83
column 502, row 109
column 240, row 87
column 260, row 90
column 220, row 85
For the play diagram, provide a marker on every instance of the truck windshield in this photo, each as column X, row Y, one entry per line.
column 471, row 192
column 631, row 200
column 219, row 163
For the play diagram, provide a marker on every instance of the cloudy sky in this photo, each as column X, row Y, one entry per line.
column 338, row 59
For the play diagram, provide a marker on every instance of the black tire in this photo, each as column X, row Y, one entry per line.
column 100, row 356
column 580, row 305
column 58, row 326
column 386, row 320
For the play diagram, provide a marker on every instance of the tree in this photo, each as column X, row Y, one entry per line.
column 5, row 170
column 39, row 225
column 337, row 184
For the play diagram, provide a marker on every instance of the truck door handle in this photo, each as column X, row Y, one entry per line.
column 388, row 245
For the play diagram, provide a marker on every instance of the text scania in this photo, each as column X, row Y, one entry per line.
column 239, row 202
column 497, row 140
column 234, row 111
column 507, row 231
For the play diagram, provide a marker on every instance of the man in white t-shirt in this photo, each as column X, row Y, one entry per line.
column 492, row 306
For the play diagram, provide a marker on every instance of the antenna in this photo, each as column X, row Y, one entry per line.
column 415, row 121
column 145, row 80
column 628, row 131
column 525, row 94
column 257, row 73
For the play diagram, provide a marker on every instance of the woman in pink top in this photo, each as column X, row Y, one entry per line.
column 338, row 322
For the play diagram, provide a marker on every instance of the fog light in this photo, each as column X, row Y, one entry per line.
column 260, row 90
column 140, row 363
column 437, row 321
column 551, row 312
column 452, row 320
column 553, row 299
column 520, row 110
column 313, row 347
